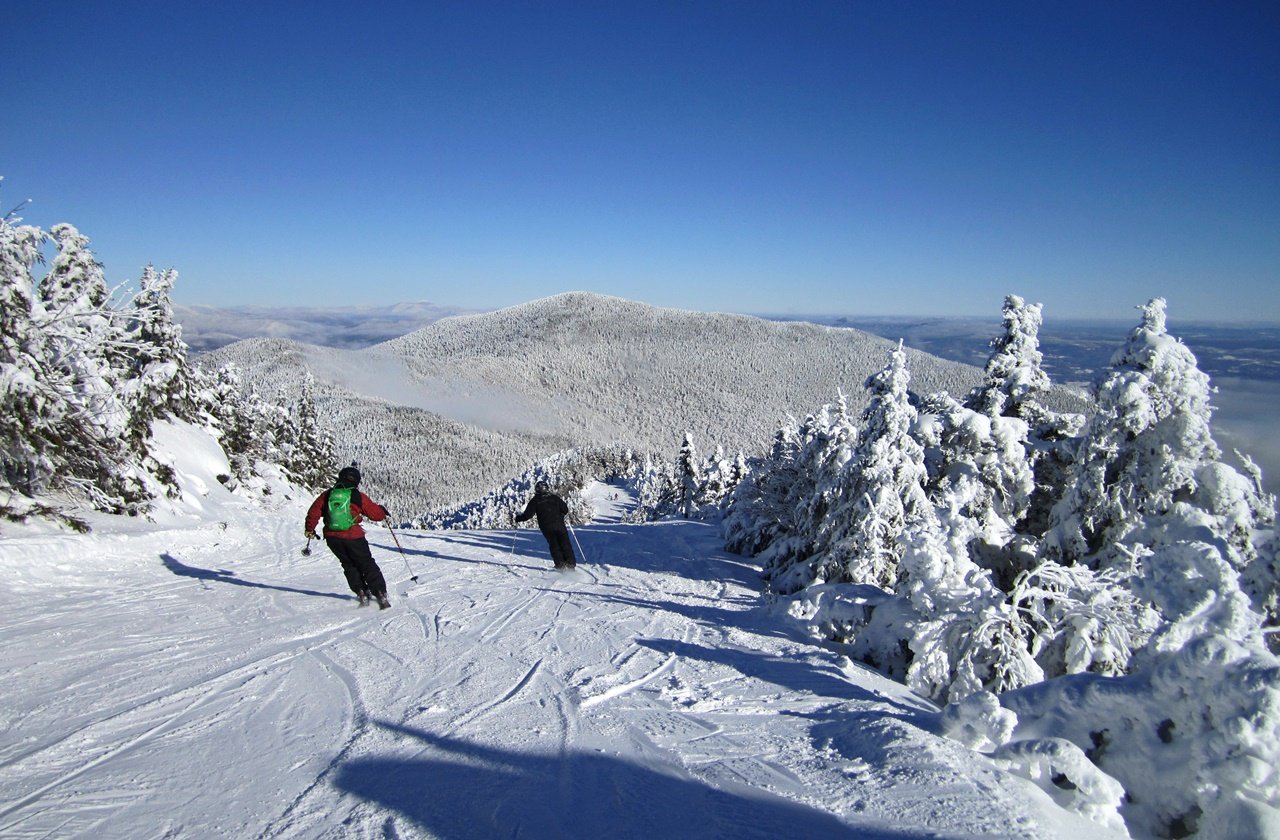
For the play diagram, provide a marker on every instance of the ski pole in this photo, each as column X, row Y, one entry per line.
column 581, row 553
column 513, row 543
column 306, row 552
column 412, row 576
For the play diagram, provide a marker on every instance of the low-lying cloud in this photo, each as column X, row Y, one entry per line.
column 385, row 377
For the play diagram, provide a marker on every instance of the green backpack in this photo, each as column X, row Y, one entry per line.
column 337, row 512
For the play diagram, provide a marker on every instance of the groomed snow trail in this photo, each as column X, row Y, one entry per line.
column 208, row 681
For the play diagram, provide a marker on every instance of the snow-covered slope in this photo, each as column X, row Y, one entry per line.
column 203, row 679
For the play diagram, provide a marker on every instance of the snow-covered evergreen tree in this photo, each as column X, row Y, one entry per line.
column 883, row 488
column 759, row 512
column 964, row 636
column 1017, row 386
column 779, row 506
column 828, row 440
column 74, row 287
column 978, row 466
column 737, row 471
column 1082, row 620
column 715, row 485
column 1151, row 504
column 1261, row 580
column 84, row 381
column 312, row 462
column 1143, row 446
column 223, row 401
column 85, row 352
column 1014, row 381
column 28, row 409
column 657, row 490
column 689, row 474
column 161, row 382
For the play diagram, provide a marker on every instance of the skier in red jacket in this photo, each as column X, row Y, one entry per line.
column 342, row 507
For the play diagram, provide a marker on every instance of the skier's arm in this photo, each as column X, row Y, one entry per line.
column 372, row 509
column 313, row 514
column 528, row 512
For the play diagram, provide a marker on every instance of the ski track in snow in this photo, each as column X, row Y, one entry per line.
column 211, row 682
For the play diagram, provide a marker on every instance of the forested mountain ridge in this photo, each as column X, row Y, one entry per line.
column 448, row 412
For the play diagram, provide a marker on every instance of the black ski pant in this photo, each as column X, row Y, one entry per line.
column 363, row 574
column 561, row 548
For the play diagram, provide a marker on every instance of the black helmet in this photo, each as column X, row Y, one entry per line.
column 541, row 487
column 349, row 477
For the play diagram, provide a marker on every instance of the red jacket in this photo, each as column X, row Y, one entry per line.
column 360, row 504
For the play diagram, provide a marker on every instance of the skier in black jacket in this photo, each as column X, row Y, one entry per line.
column 550, row 510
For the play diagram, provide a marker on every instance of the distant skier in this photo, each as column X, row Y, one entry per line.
column 341, row 507
column 551, row 510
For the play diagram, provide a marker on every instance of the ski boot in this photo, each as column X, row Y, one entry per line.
column 364, row 599
column 383, row 603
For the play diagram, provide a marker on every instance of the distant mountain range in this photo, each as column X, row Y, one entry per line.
column 449, row 411
column 207, row 328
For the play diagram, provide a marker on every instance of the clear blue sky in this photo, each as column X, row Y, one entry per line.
column 788, row 157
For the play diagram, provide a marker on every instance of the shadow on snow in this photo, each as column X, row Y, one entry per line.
column 690, row 549
column 456, row 789
column 793, row 674
column 181, row 569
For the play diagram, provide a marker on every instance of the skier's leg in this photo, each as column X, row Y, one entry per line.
column 566, row 550
column 553, row 544
column 368, row 568
column 350, row 568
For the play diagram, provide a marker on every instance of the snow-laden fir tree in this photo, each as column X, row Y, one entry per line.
column 1152, row 506
column 964, row 635
column 1132, row 643
column 737, row 471
column 979, row 467
column 881, row 490
column 160, row 379
column 689, row 474
column 657, row 490
column 1142, row 580
column 1015, row 385
column 1081, row 619
column 27, row 435
column 1014, row 380
column 716, row 479
column 759, row 511
column 86, row 353
column 1261, row 580
column 82, row 383
column 312, row 462
column 781, row 506
column 829, row 440
column 956, row 633
column 1142, row 449
column 230, row 420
